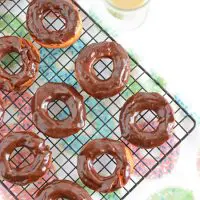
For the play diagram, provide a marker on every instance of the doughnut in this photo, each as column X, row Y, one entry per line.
column 53, row 39
column 30, row 58
column 88, row 174
column 32, row 172
column 50, row 92
column 138, row 103
column 87, row 78
column 62, row 189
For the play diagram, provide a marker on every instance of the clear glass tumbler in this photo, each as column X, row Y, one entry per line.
column 129, row 13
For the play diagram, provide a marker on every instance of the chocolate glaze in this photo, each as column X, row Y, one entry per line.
column 87, row 78
column 146, row 101
column 55, row 39
column 62, row 189
column 30, row 58
column 58, row 128
column 121, row 175
column 32, row 172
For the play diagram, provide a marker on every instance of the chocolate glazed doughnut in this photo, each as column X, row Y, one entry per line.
column 53, row 39
column 32, row 172
column 146, row 101
column 87, row 78
column 30, row 58
column 89, row 176
column 50, row 92
column 62, row 189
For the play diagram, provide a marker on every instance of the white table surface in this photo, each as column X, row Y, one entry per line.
column 168, row 43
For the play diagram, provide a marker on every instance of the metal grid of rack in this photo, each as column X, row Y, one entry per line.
column 57, row 65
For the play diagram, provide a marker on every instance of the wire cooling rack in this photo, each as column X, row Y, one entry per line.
column 57, row 65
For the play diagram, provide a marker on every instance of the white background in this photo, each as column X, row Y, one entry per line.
column 169, row 43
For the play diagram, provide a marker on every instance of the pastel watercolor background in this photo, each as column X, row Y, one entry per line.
column 173, row 194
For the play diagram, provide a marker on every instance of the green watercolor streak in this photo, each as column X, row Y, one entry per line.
column 149, row 84
column 159, row 79
column 173, row 194
column 11, row 25
column 134, row 56
column 113, row 196
column 8, row 60
column 107, row 28
column 86, row 188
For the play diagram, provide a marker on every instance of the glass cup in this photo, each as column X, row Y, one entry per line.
column 131, row 13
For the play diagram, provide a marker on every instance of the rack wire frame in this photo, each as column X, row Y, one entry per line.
column 98, row 123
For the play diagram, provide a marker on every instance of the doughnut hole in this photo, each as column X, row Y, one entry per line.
column 58, row 110
column 146, row 121
column 105, row 165
column 21, row 157
column 11, row 62
column 53, row 21
column 103, row 68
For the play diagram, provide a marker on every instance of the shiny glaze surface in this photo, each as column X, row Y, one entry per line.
column 50, row 92
column 53, row 39
column 62, row 189
column 2, row 110
column 32, row 172
column 30, row 58
column 87, row 78
column 88, row 174
column 147, row 101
